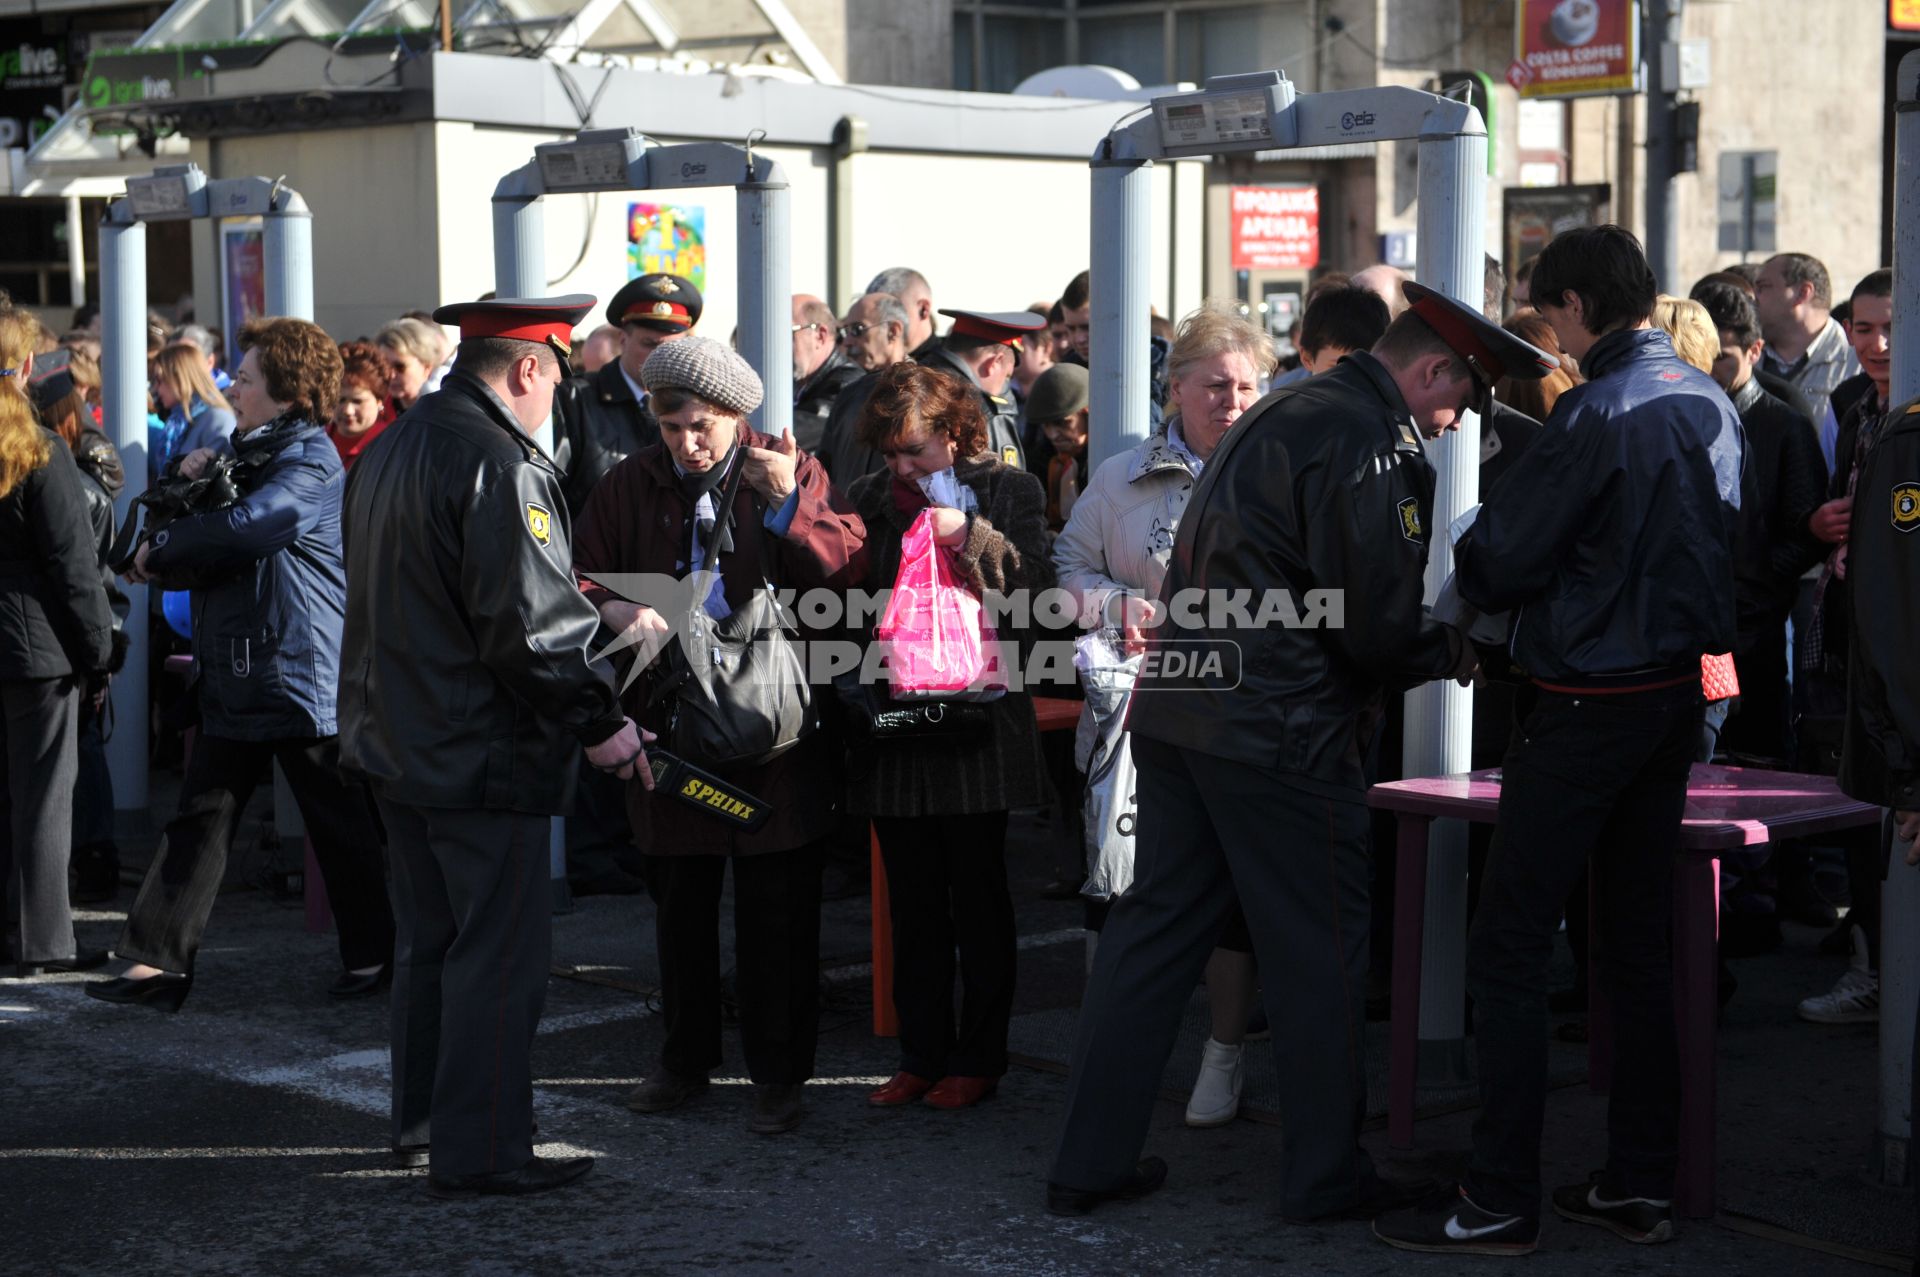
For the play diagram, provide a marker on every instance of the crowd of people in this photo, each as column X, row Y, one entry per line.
column 418, row 600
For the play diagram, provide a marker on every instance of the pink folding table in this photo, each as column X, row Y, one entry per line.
column 1727, row 808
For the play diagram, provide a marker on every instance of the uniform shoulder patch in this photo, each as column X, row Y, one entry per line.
column 1010, row 455
column 540, row 523
column 1410, row 526
column 1408, row 435
column 1906, row 505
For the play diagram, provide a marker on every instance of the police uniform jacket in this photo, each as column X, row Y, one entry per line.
column 636, row 522
column 1611, row 539
column 1880, row 760
column 813, row 398
column 467, row 681
column 1003, row 415
column 1324, row 485
column 597, row 424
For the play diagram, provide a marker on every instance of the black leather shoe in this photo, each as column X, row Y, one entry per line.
column 410, row 1157
column 85, row 960
column 1381, row 1196
column 664, row 1091
column 776, row 1108
column 539, row 1175
column 350, row 985
column 163, row 992
column 1150, row 1174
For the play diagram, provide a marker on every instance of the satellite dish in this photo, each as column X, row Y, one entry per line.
column 1091, row 83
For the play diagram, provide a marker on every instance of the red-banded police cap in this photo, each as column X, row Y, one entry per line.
column 1488, row 349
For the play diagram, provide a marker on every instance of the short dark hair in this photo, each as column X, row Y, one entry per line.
column 485, row 357
column 1605, row 267
column 1055, row 315
column 1079, row 288
column 1346, row 318
column 1749, row 271
column 1409, row 338
column 1730, row 309
column 1877, row 283
column 1798, row 268
column 1732, row 278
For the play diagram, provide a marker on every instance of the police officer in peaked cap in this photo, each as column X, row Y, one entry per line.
column 468, row 691
column 1248, row 735
column 982, row 348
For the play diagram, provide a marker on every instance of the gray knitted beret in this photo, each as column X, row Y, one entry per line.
column 704, row 367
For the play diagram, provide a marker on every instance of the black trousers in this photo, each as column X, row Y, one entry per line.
column 947, row 888
column 776, row 946
column 470, row 968
column 1586, row 776
column 39, row 735
column 1761, row 725
column 1210, row 828
column 169, row 916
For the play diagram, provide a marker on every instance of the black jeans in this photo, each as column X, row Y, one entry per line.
column 170, row 914
column 776, row 946
column 947, row 888
column 1606, row 777
column 1761, row 725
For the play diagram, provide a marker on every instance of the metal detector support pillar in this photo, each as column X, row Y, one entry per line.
column 123, row 392
column 1900, row 898
column 766, row 299
column 1122, row 261
column 520, row 235
column 287, row 245
column 1439, row 715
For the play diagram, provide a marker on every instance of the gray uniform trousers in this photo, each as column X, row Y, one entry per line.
column 473, row 917
column 41, row 734
column 1210, row 827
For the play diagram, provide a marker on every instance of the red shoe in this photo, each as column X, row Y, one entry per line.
column 902, row 1088
column 961, row 1092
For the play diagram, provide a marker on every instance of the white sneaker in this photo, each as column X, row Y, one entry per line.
column 1216, row 1094
column 1855, row 999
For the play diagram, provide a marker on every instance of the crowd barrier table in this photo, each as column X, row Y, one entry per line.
column 1053, row 714
column 1727, row 808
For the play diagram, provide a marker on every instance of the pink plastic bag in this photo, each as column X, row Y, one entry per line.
column 933, row 633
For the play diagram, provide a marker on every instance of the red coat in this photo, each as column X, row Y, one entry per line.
column 635, row 521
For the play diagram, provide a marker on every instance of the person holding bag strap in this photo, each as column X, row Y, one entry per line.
column 663, row 512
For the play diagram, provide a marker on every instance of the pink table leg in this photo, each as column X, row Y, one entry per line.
column 1599, row 1009
column 1696, row 926
column 1409, row 932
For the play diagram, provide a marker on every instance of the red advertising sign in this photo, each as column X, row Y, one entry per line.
column 1577, row 48
column 1276, row 227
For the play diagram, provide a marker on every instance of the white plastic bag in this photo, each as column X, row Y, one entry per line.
column 1108, row 679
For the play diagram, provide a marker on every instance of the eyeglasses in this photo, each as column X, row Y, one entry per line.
column 800, row 328
column 854, row 330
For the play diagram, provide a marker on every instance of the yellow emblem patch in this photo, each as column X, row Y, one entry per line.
column 1010, row 455
column 1410, row 526
column 540, row 523
column 1906, row 505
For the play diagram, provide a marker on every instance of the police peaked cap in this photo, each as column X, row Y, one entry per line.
column 669, row 303
column 995, row 327
column 1488, row 349
column 543, row 319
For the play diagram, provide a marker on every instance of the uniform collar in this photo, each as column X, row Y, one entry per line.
column 638, row 391
column 496, row 409
column 1748, row 395
column 1616, row 347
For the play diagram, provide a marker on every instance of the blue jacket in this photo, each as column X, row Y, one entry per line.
column 1611, row 537
column 266, row 638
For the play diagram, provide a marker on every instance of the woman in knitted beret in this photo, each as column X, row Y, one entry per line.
column 657, row 512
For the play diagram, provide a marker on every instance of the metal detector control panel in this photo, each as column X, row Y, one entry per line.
column 1234, row 112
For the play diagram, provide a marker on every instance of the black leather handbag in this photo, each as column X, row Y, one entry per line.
column 871, row 715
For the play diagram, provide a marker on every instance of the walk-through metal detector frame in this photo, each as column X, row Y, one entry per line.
column 624, row 159
column 1261, row 112
column 174, row 193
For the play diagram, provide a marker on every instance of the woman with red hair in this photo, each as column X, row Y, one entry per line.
column 363, row 410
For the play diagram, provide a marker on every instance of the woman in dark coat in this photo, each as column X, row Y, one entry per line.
column 655, row 513
column 940, row 807
column 55, row 641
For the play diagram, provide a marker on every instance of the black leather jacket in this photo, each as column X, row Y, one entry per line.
column 1880, row 759
column 597, row 424
column 103, row 478
column 466, row 680
column 1323, row 485
column 813, row 398
column 1611, row 539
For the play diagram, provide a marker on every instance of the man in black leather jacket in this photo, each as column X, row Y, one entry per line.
column 467, row 689
column 1610, row 543
column 821, row 370
column 1250, row 775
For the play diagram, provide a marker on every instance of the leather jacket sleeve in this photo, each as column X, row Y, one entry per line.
column 1525, row 526
column 533, row 627
column 1368, row 538
column 1881, row 760
column 285, row 506
column 1802, row 485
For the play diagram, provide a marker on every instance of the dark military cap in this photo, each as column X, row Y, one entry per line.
column 544, row 319
column 666, row 302
column 1488, row 349
column 995, row 327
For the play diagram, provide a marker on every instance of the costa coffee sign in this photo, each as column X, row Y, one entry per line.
column 1575, row 48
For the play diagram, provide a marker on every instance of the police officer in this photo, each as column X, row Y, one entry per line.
column 603, row 419
column 467, row 691
column 1250, row 777
column 982, row 347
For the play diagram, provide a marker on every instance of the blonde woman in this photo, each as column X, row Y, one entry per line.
column 1695, row 339
column 415, row 351
column 54, row 650
column 197, row 415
